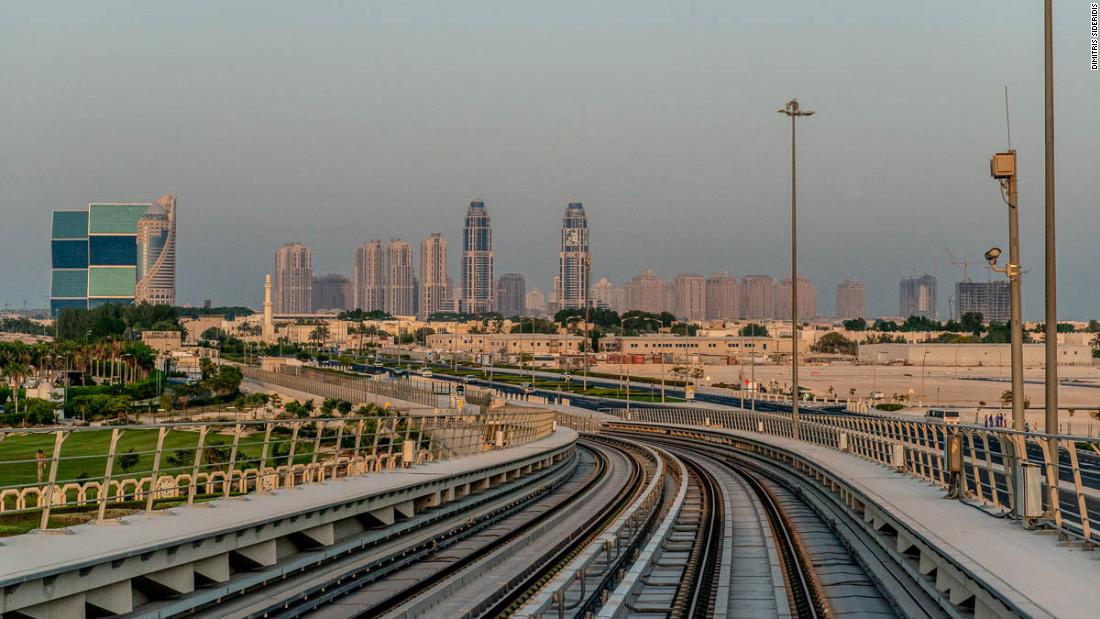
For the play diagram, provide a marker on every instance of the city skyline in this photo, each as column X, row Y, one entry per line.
column 633, row 131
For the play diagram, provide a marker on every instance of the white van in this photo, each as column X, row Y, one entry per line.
column 939, row 415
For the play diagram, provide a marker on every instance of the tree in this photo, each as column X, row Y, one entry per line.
column 754, row 330
column 855, row 324
column 684, row 328
column 835, row 343
column 885, row 325
column 300, row 409
column 319, row 335
column 128, row 460
column 344, row 407
column 972, row 322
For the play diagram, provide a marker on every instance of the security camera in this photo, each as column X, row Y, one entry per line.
column 992, row 255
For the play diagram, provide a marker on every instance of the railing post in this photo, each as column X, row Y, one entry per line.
column 263, row 458
column 1082, row 508
column 316, row 441
column 154, row 474
column 192, row 488
column 105, row 489
column 232, row 460
column 55, row 463
column 358, row 438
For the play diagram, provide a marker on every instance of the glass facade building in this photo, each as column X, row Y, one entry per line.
column 477, row 260
column 94, row 255
column 573, row 261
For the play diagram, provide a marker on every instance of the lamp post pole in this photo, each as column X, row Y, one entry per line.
column 1051, row 273
column 793, row 111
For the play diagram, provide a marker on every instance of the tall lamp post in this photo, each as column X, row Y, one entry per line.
column 1051, row 274
column 1003, row 168
column 622, row 353
column 793, row 111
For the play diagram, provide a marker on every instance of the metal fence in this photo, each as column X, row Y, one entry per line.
column 88, row 469
column 1070, row 465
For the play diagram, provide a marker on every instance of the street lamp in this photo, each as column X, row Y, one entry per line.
column 1051, row 274
column 793, row 111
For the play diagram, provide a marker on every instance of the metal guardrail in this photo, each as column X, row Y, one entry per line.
column 1070, row 464
column 182, row 462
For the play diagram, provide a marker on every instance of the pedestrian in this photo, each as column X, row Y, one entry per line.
column 40, row 458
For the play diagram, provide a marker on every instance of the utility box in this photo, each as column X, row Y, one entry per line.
column 953, row 453
column 408, row 453
column 1003, row 165
column 842, row 441
column 500, row 438
column 1029, row 490
column 760, row 427
column 897, row 457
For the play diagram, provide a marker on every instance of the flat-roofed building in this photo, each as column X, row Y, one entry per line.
column 714, row 350
column 506, row 343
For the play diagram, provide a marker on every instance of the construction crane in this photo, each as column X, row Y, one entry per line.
column 963, row 264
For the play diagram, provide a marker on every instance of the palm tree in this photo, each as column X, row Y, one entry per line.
column 319, row 335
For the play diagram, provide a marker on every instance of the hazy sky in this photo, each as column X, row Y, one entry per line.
column 332, row 123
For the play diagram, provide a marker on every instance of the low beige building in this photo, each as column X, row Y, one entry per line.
column 163, row 341
column 968, row 355
column 506, row 343
column 721, row 350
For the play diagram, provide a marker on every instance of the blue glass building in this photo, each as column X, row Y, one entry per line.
column 94, row 255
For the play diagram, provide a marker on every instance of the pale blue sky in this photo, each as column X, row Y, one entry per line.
column 336, row 122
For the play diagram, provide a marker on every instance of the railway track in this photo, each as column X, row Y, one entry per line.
column 426, row 573
column 641, row 527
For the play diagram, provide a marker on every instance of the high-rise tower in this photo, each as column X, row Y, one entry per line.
column 757, row 297
column 433, row 275
column 370, row 277
column 511, row 295
column 477, row 260
column 573, row 262
column 156, row 253
column 400, row 286
column 851, row 299
column 917, row 297
column 293, row 279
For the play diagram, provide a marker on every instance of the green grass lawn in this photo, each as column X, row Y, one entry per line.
column 84, row 453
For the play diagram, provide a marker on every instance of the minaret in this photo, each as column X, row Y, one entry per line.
column 269, row 327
